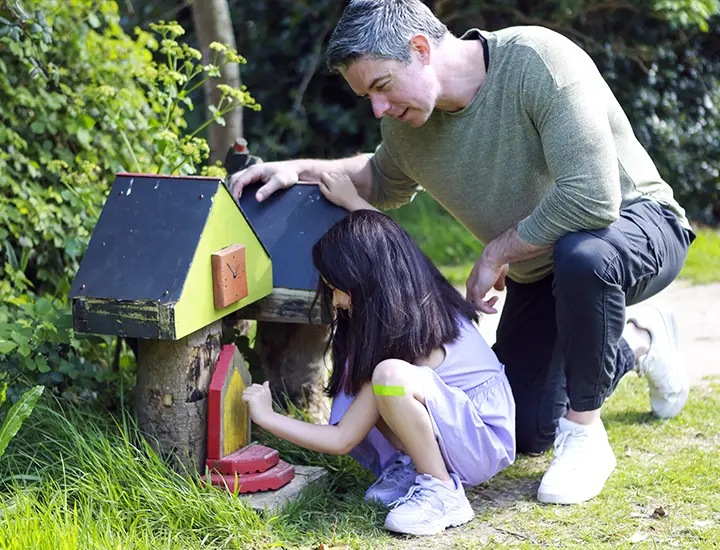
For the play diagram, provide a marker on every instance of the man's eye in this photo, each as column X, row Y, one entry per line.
column 381, row 87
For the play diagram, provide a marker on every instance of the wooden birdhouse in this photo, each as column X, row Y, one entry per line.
column 170, row 255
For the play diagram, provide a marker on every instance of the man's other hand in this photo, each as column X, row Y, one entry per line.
column 483, row 277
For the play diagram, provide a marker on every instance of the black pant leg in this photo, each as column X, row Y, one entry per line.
column 526, row 345
column 596, row 274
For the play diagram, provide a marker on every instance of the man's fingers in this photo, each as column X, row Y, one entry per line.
column 487, row 306
column 273, row 184
column 500, row 283
column 239, row 180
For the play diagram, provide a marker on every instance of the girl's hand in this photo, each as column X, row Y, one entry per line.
column 340, row 190
column 259, row 401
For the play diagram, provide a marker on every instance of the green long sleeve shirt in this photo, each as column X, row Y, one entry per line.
column 543, row 145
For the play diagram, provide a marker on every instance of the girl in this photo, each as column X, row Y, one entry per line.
column 418, row 396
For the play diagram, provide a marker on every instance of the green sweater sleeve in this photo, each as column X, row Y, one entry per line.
column 567, row 100
column 391, row 187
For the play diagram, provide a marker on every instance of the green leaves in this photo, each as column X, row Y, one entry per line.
column 688, row 13
column 7, row 346
column 172, row 84
column 82, row 101
column 17, row 415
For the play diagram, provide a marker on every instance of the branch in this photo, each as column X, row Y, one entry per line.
column 172, row 12
column 315, row 61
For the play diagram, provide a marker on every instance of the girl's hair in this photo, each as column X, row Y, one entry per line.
column 402, row 306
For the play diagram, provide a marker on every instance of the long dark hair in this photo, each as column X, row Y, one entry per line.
column 402, row 306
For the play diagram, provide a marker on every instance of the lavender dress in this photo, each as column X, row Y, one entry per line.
column 471, row 409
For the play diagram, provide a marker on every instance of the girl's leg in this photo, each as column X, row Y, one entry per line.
column 407, row 416
column 437, row 499
column 389, row 435
column 377, row 451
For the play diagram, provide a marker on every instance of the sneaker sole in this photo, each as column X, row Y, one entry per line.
column 457, row 518
column 550, row 498
column 547, row 497
column 672, row 410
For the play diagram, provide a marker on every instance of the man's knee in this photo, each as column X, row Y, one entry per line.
column 581, row 258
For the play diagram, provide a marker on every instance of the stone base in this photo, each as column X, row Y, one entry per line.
column 272, row 501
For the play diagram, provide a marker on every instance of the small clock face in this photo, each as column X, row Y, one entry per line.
column 229, row 275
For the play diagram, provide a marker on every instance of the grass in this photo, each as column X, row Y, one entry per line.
column 665, row 492
column 703, row 262
column 454, row 249
column 73, row 479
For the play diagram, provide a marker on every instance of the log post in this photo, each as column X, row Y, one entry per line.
column 294, row 361
column 171, row 394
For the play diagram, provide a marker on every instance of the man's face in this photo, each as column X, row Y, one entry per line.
column 405, row 92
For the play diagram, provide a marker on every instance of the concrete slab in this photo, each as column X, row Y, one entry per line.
column 697, row 309
column 271, row 502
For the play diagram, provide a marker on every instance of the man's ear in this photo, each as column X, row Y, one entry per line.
column 421, row 45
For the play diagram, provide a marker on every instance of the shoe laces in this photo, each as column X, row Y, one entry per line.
column 568, row 441
column 417, row 494
column 641, row 365
column 398, row 472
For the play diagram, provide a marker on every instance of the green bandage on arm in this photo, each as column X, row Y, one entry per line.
column 388, row 390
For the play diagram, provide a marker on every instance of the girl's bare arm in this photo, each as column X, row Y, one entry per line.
column 337, row 439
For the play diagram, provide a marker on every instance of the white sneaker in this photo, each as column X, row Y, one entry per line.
column 430, row 507
column 394, row 482
column 583, row 462
column 662, row 366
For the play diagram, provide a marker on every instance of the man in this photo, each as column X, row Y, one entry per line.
column 517, row 134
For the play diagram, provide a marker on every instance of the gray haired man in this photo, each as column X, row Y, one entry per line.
column 516, row 133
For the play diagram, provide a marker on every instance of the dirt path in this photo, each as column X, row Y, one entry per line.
column 697, row 309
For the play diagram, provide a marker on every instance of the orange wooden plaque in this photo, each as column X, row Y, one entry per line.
column 229, row 275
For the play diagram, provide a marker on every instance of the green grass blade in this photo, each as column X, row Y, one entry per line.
column 17, row 415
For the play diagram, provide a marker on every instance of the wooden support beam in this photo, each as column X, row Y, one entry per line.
column 148, row 319
column 286, row 305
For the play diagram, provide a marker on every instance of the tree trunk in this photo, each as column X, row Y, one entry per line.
column 213, row 24
column 173, row 377
column 293, row 360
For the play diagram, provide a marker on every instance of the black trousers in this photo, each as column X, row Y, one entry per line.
column 560, row 338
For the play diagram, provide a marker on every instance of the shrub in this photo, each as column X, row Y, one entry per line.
column 82, row 101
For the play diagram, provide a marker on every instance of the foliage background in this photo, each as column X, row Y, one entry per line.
column 662, row 59
column 82, row 98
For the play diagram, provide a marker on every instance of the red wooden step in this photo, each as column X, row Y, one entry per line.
column 248, row 460
column 274, row 478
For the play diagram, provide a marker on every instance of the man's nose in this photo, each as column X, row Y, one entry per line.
column 380, row 106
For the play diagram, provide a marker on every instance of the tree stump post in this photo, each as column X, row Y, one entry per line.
column 171, row 394
column 294, row 361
